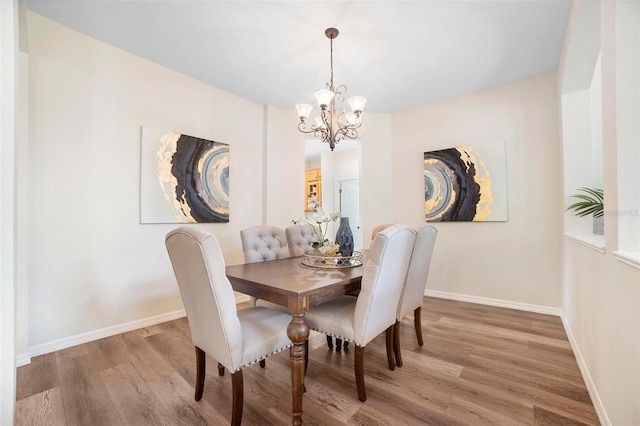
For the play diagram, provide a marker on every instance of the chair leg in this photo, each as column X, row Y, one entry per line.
column 396, row 343
column 306, row 355
column 338, row 345
column 330, row 342
column 220, row 369
column 236, row 387
column 345, row 345
column 389, row 335
column 306, row 363
column 263, row 363
column 359, row 368
column 201, row 366
column 417, row 322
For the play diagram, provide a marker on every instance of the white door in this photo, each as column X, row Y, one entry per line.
column 349, row 204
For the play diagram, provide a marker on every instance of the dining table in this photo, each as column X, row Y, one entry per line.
column 290, row 283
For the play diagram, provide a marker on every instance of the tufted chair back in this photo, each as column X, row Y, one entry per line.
column 263, row 242
column 299, row 238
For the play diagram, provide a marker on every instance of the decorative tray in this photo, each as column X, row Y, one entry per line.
column 319, row 261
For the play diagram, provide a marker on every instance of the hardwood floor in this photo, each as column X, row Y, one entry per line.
column 479, row 365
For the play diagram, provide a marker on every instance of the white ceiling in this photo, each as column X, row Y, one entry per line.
column 398, row 54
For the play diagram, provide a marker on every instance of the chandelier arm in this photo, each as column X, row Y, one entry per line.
column 317, row 131
column 341, row 132
column 356, row 125
column 303, row 128
column 347, row 132
column 340, row 92
column 341, row 119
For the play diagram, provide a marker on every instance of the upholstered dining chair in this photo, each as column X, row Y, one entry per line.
column 359, row 320
column 235, row 339
column 299, row 238
column 415, row 284
column 376, row 229
column 263, row 242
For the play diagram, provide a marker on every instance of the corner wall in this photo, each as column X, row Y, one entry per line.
column 517, row 260
column 601, row 294
column 9, row 66
column 93, row 265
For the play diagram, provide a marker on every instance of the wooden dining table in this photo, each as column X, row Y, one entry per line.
column 289, row 283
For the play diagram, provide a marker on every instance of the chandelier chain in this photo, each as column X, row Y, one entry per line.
column 331, row 61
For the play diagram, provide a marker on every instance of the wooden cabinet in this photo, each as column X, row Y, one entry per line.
column 313, row 187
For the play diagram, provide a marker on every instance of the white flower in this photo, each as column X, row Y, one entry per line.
column 322, row 220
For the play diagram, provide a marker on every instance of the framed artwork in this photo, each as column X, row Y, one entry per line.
column 183, row 179
column 466, row 183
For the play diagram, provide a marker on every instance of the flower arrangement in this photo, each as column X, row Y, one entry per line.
column 321, row 221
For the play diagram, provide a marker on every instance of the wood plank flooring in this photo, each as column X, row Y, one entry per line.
column 479, row 365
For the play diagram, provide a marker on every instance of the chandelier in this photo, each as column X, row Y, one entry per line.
column 332, row 125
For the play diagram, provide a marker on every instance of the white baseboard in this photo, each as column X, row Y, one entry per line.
column 67, row 342
column 23, row 359
column 540, row 309
column 591, row 386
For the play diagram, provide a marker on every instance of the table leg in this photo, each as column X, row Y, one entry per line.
column 298, row 332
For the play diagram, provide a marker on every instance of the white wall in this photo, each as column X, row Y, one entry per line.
column 517, row 260
column 8, row 79
column 284, row 185
column 376, row 173
column 93, row 265
column 601, row 294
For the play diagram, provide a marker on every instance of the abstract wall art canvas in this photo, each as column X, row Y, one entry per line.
column 183, row 179
column 466, row 183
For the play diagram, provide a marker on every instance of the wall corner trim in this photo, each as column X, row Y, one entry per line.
column 591, row 386
column 23, row 359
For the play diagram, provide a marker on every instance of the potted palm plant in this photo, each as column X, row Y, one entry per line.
column 591, row 202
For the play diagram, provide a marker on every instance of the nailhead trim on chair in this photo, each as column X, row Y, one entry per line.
column 265, row 357
column 344, row 339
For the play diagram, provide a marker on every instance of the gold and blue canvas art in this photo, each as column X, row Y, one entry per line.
column 184, row 179
column 466, row 184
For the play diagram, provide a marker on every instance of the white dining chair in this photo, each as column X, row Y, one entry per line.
column 263, row 242
column 376, row 229
column 235, row 339
column 359, row 320
column 413, row 292
column 299, row 238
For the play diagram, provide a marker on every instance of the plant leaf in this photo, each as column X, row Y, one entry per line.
column 592, row 202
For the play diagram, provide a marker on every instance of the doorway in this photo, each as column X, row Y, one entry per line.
column 349, row 206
